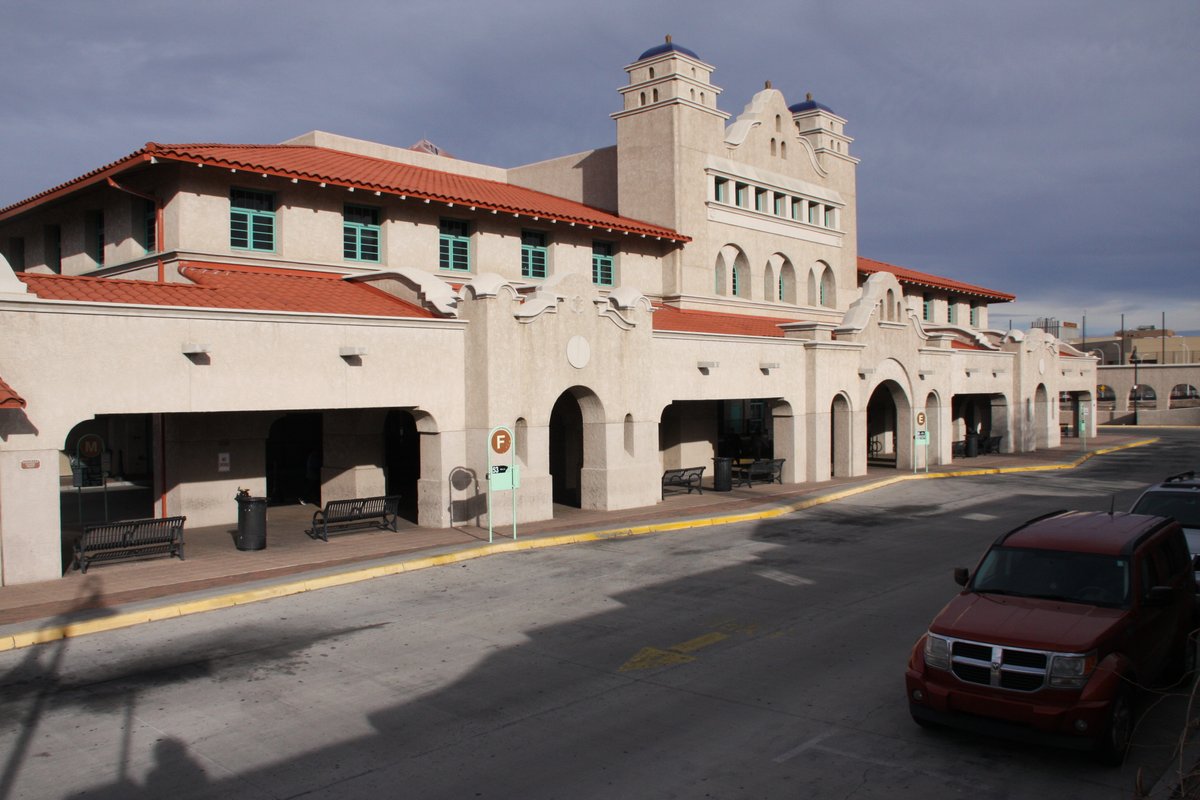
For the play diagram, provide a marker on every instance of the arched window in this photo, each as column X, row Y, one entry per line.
column 828, row 298
column 787, row 281
column 783, row 149
column 778, row 123
column 652, row 72
column 769, row 286
column 629, row 435
column 656, row 95
column 774, row 151
column 642, row 98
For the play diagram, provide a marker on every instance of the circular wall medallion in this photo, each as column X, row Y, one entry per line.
column 579, row 352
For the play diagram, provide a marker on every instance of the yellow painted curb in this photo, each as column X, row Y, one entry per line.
column 52, row 633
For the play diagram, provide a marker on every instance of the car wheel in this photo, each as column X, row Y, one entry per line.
column 1111, row 747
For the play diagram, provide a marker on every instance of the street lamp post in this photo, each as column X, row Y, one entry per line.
column 1136, row 393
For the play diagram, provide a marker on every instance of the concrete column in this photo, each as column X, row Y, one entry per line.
column 30, row 528
column 788, row 443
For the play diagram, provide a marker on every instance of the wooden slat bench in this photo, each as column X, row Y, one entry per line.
column 380, row 512
column 761, row 470
column 131, row 538
column 687, row 476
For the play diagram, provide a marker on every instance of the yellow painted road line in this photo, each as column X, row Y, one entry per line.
column 51, row 633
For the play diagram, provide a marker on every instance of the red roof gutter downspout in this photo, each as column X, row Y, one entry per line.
column 158, row 224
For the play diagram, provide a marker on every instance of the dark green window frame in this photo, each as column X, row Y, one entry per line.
column 602, row 263
column 927, row 307
column 952, row 312
column 534, row 254
column 150, row 226
column 361, row 233
column 974, row 316
column 454, row 245
column 721, row 190
column 252, row 220
column 95, row 236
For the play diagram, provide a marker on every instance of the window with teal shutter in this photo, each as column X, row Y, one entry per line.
column 251, row 220
column 360, row 233
column 926, row 307
column 974, row 316
column 454, row 247
column 602, row 263
column 952, row 313
column 533, row 254
column 721, row 190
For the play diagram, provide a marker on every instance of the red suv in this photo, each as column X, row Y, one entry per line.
column 1061, row 622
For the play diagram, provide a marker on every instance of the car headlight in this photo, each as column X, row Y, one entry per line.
column 937, row 651
column 1071, row 672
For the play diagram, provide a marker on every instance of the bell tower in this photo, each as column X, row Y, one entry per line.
column 668, row 125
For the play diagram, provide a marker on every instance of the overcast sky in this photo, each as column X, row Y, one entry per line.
column 1047, row 148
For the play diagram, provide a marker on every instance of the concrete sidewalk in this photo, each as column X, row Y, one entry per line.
column 217, row 575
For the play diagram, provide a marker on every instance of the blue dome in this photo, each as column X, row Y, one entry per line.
column 667, row 47
column 809, row 105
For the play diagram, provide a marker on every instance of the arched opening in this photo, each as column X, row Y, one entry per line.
column 630, row 436
column 1143, row 396
column 1184, row 395
column 732, row 272
column 783, row 149
column 402, row 459
column 787, row 278
column 109, row 462
column 889, row 306
column 566, row 450
column 1106, row 398
column 812, row 288
column 840, row 447
column 294, row 458
column 889, row 427
column 828, row 292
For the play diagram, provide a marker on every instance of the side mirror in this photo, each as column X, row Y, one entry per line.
column 961, row 575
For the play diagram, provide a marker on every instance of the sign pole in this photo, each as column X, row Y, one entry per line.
column 502, row 477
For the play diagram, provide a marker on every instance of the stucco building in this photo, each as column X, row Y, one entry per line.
column 330, row 317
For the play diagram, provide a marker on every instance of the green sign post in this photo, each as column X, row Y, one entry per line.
column 502, row 477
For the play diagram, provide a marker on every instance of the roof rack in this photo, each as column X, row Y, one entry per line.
column 1183, row 476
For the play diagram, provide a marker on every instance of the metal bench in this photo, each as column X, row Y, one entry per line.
column 990, row 445
column 132, row 538
column 380, row 512
column 687, row 476
column 762, row 470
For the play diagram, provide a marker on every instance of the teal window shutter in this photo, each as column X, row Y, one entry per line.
column 602, row 263
column 454, row 246
column 361, row 233
column 533, row 254
column 252, row 220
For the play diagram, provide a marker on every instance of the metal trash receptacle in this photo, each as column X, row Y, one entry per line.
column 251, row 523
column 972, row 445
column 722, row 474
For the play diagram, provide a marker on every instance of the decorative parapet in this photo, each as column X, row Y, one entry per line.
column 416, row 285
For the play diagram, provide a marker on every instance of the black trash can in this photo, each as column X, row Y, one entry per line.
column 972, row 445
column 252, row 523
column 722, row 474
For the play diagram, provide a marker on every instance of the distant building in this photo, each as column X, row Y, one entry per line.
column 330, row 318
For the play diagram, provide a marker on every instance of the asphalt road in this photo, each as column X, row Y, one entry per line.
column 749, row 661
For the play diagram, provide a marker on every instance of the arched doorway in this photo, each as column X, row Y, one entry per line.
column 566, row 450
column 889, row 428
column 294, row 458
column 841, row 462
column 402, row 459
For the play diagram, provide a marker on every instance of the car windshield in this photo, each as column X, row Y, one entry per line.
column 1087, row 578
column 1183, row 506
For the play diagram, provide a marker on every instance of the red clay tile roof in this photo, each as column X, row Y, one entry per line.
column 669, row 318
column 911, row 277
column 9, row 398
column 959, row 345
column 230, row 286
column 323, row 165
